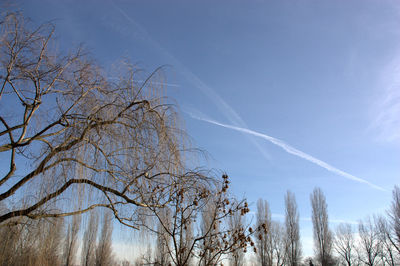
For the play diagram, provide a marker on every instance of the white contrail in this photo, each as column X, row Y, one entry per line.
column 292, row 150
column 219, row 102
column 230, row 113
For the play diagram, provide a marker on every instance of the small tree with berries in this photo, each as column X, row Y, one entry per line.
column 196, row 226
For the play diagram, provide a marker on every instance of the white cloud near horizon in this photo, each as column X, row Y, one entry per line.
column 290, row 149
column 308, row 219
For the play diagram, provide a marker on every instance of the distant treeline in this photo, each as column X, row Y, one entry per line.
column 63, row 241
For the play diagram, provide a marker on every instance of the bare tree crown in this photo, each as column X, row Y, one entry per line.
column 68, row 130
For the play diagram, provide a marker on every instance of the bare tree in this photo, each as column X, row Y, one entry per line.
column 163, row 240
column 209, row 245
column 71, row 241
column 185, row 200
column 70, row 133
column 322, row 234
column 270, row 238
column 125, row 263
column 11, row 237
column 236, row 221
column 344, row 243
column 146, row 258
column 293, row 245
column 49, row 248
column 32, row 243
column 264, row 237
column 370, row 245
column 53, row 250
column 278, row 243
column 394, row 215
column 388, row 253
column 214, row 239
column 104, row 253
column 88, row 253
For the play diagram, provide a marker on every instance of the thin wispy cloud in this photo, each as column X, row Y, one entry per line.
column 386, row 100
column 333, row 221
column 290, row 149
column 341, row 221
column 162, row 83
column 280, row 216
column 387, row 107
column 218, row 101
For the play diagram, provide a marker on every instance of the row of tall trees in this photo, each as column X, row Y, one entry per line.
column 58, row 242
column 375, row 241
column 280, row 243
column 204, row 233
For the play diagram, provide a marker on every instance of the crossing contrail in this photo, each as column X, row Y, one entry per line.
column 291, row 150
column 227, row 110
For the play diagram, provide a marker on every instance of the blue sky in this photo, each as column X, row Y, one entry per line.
column 321, row 76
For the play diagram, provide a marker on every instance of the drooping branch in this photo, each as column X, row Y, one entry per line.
column 29, row 210
column 72, row 128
